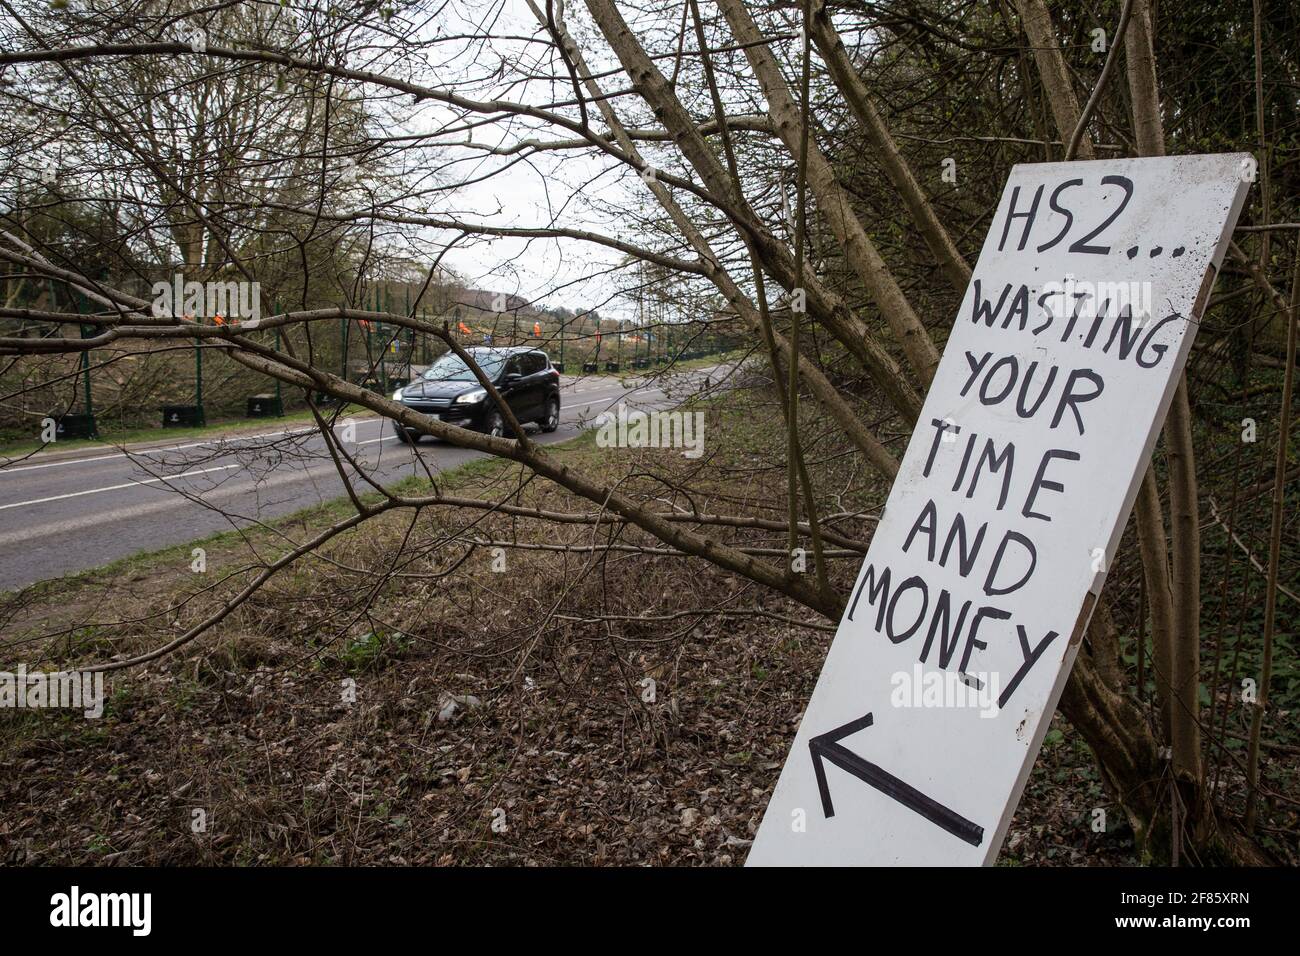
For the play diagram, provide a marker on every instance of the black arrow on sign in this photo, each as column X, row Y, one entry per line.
column 828, row 747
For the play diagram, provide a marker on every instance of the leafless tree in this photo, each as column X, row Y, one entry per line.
column 778, row 164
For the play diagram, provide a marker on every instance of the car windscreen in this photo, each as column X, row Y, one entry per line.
column 450, row 368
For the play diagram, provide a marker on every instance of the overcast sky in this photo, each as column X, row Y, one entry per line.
column 560, row 187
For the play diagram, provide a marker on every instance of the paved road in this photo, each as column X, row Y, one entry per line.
column 61, row 513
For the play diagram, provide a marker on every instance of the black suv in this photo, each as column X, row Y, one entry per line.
column 450, row 391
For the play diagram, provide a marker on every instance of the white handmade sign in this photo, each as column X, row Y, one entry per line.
column 1009, row 505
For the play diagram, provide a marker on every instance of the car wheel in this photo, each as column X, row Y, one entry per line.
column 402, row 435
column 551, row 420
column 495, row 425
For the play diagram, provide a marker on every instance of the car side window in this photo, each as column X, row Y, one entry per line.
column 513, row 368
column 534, row 362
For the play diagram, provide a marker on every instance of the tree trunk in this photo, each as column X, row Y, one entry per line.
column 832, row 200
column 855, row 92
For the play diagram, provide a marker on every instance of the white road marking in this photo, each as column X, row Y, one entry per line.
column 575, row 388
column 129, row 484
column 211, row 442
column 136, row 508
column 217, row 441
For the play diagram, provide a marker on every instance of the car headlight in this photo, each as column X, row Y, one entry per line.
column 397, row 395
column 469, row 398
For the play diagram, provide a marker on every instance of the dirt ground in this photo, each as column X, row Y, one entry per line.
column 580, row 708
column 564, row 752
